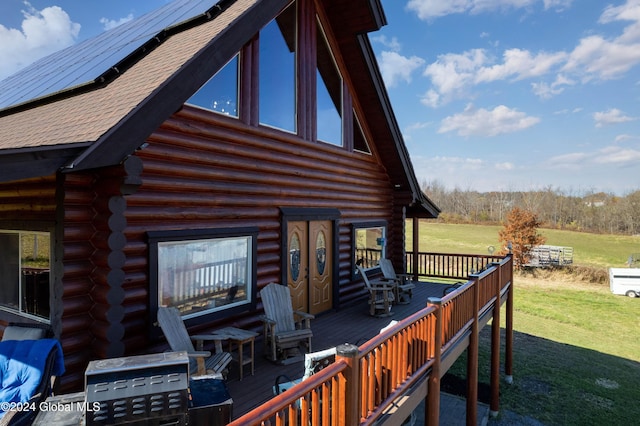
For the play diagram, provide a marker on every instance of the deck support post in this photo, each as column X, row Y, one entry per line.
column 472, row 357
column 416, row 247
column 494, row 404
column 349, row 353
column 508, row 355
column 432, row 407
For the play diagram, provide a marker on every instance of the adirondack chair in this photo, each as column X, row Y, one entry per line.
column 381, row 296
column 285, row 330
column 403, row 286
column 201, row 362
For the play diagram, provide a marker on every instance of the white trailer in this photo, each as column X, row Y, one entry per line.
column 625, row 281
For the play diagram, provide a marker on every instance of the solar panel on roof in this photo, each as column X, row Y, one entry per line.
column 85, row 62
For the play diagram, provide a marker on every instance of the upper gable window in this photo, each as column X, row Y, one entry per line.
column 328, row 92
column 220, row 93
column 277, row 71
column 359, row 141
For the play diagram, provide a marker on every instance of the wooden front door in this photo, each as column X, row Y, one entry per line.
column 310, row 266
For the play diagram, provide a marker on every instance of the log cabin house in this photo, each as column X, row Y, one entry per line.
column 191, row 157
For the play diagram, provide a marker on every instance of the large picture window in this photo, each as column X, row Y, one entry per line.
column 205, row 271
column 369, row 242
column 24, row 273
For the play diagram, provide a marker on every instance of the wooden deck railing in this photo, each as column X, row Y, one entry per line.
column 364, row 381
column 318, row 400
column 457, row 266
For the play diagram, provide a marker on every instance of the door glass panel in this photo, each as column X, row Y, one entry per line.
column 294, row 257
column 321, row 252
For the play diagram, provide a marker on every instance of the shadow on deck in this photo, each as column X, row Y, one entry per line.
column 351, row 324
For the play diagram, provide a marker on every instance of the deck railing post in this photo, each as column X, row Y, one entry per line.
column 472, row 357
column 494, row 404
column 432, row 407
column 416, row 248
column 508, row 355
column 351, row 412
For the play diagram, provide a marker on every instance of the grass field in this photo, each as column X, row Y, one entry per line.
column 588, row 249
column 577, row 350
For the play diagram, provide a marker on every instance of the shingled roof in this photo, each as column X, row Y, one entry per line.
column 102, row 122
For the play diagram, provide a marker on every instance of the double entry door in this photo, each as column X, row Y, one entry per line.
column 310, row 265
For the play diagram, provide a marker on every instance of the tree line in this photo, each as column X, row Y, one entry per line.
column 596, row 212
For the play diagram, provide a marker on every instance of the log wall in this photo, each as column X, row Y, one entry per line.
column 199, row 170
column 202, row 170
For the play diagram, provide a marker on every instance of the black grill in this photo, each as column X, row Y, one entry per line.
column 138, row 389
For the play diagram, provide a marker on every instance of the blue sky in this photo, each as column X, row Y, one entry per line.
column 489, row 94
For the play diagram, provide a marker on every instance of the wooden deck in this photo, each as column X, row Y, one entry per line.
column 348, row 325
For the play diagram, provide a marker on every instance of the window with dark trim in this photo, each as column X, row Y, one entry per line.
column 220, row 93
column 369, row 241
column 277, row 70
column 202, row 272
column 359, row 141
column 328, row 92
column 24, row 273
column 287, row 90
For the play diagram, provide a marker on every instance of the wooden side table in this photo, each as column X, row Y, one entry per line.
column 239, row 337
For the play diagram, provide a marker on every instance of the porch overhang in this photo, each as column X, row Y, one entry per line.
column 26, row 163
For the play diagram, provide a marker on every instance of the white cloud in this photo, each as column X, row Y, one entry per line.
column 598, row 57
column 557, row 4
column 567, row 111
column 612, row 116
column 611, row 155
column 427, row 9
column 568, row 160
column 431, row 98
column 42, row 32
column 545, row 90
column 431, row 9
column 593, row 58
column 630, row 11
column 458, row 163
column 505, row 166
column 485, row 123
column 625, row 137
column 392, row 44
column 395, row 67
column 452, row 74
column 108, row 24
column 617, row 155
column 520, row 64
column 408, row 131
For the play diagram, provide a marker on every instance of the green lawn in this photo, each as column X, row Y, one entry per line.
column 576, row 345
column 589, row 249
